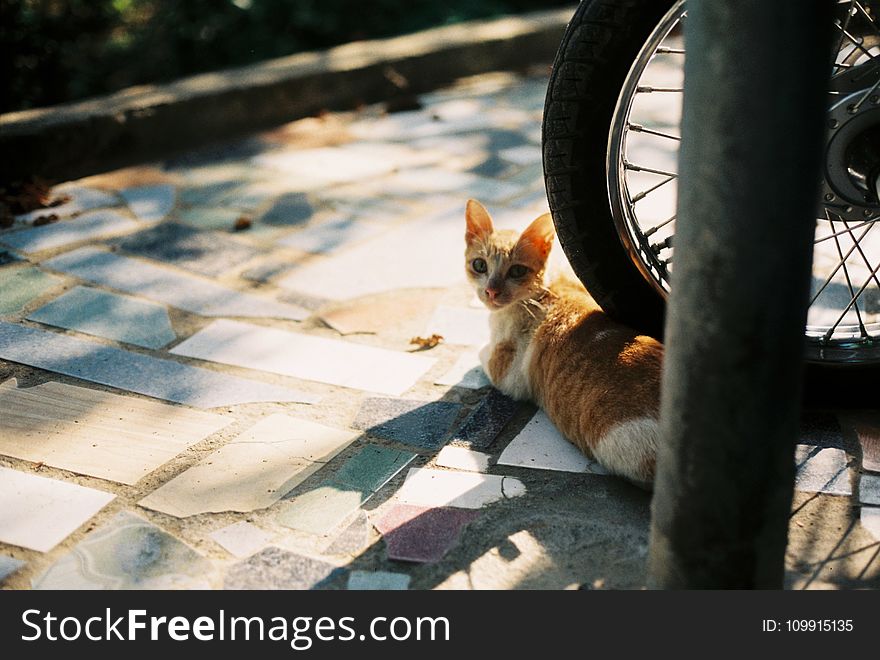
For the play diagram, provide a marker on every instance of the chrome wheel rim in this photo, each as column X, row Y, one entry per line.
column 843, row 325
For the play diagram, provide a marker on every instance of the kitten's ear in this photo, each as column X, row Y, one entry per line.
column 537, row 239
column 479, row 223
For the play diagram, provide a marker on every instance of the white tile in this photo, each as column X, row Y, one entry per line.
column 172, row 287
column 81, row 199
column 461, row 458
column 421, row 254
column 8, row 566
column 334, row 165
column 96, row 224
column 330, row 236
column 822, row 470
column 378, row 581
column 136, row 372
column 460, row 325
column 524, row 155
column 466, row 372
column 97, row 433
column 468, row 490
column 870, row 519
column 242, row 539
column 303, row 356
column 149, row 203
column 540, row 445
column 253, row 471
column 38, row 513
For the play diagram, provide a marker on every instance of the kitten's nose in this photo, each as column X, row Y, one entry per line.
column 492, row 293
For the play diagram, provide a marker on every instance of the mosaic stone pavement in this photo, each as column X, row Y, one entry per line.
column 210, row 381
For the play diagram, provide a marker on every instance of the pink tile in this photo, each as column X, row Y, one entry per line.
column 422, row 534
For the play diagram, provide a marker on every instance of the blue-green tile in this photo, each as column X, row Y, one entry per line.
column 372, row 467
column 108, row 315
column 20, row 285
column 418, row 423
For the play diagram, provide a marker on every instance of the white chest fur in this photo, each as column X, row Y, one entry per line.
column 511, row 327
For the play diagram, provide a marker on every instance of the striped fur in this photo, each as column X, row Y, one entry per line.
column 597, row 380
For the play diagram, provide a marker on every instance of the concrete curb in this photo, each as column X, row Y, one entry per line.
column 148, row 122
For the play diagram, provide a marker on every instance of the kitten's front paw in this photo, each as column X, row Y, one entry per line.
column 485, row 356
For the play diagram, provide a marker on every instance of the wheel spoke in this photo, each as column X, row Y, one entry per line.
column 868, row 16
column 867, row 94
column 638, row 128
column 862, row 253
column 861, row 290
column 648, row 89
column 840, row 233
column 670, row 51
column 640, row 168
column 656, row 228
column 853, row 40
column 862, row 331
column 837, row 268
column 640, row 196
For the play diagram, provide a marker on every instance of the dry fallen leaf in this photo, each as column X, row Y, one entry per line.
column 242, row 223
column 45, row 219
column 424, row 343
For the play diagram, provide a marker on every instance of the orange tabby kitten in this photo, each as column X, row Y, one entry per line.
column 597, row 380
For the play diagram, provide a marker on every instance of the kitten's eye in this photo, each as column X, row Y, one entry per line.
column 516, row 271
column 479, row 265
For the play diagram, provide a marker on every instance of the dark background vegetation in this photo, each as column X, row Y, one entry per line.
column 53, row 51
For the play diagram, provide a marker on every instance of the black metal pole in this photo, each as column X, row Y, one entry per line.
column 755, row 92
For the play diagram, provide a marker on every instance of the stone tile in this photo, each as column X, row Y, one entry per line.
column 311, row 169
column 209, row 193
column 331, row 235
column 209, row 218
column 108, row 315
column 433, row 180
column 80, row 199
column 460, row 325
column 466, row 372
column 241, row 539
column 277, row 569
column 421, row 534
column 353, row 539
column 870, row 519
column 162, row 379
column 322, row 509
column 97, row 433
column 869, row 439
column 203, row 252
column 487, row 420
column 422, row 424
column 822, row 470
column 466, row 490
column 8, row 566
column 149, row 203
column 459, row 458
column 128, row 553
column 393, row 313
column 289, row 210
column 96, row 224
column 38, row 513
column 267, row 270
column 253, row 471
column 378, row 581
column 540, row 445
column 424, row 253
column 522, row 155
column 869, row 489
column 308, row 357
column 21, row 284
column 372, row 467
column 174, row 288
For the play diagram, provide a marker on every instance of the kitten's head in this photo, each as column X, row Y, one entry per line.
column 505, row 267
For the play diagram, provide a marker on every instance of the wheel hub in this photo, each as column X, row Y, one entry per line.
column 852, row 156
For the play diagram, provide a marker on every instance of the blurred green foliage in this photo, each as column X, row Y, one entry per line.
column 52, row 51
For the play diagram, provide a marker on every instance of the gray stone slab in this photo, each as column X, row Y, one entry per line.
column 8, row 566
column 487, row 420
column 128, row 553
column 288, row 210
column 422, row 424
column 87, row 226
column 108, row 315
column 869, row 489
column 277, row 569
column 353, row 538
column 378, row 581
column 176, row 289
column 162, row 379
column 822, row 470
column 331, row 235
column 21, row 284
column 149, row 203
column 204, row 252
column 267, row 270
